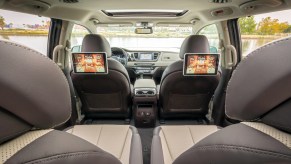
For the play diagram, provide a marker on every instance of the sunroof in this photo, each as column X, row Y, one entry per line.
column 144, row 13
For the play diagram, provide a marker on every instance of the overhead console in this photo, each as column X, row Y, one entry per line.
column 257, row 5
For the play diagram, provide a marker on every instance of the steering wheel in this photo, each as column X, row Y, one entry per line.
column 120, row 55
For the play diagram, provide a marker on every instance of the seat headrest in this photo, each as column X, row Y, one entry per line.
column 96, row 43
column 194, row 44
column 32, row 87
column 260, row 86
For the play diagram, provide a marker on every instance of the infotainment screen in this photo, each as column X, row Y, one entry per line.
column 95, row 62
column 196, row 64
column 145, row 56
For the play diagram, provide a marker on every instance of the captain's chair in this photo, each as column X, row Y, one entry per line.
column 35, row 97
column 106, row 95
column 186, row 96
column 259, row 95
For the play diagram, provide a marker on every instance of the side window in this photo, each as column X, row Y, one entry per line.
column 26, row 29
column 77, row 36
column 259, row 30
column 212, row 35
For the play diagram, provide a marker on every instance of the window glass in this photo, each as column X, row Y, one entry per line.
column 26, row 29
column 163, row 38
column 77, row 36
column 259, row 30
column 212, row 35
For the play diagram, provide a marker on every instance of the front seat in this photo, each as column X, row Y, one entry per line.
column 35, row 97
column 259, row 95
column 186, row 96
column 106, row 95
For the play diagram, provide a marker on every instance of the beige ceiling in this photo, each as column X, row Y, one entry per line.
column 84, row 10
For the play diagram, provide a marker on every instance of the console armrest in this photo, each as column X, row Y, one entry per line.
column 144, row 83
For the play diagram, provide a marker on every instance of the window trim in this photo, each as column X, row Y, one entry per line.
column 53, row 36
column 235, row 37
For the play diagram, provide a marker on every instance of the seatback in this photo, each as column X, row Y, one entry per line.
column 259, row 95
column 103, row 95
column 186, row 96
column 34, row 97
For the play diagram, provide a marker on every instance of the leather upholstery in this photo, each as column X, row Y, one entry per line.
column 106, row 95
column 194, row 43
column 186, row 96
column 35, row 95
column 169, row 142
column 263, row 82
column 29, row 96
column 57, row 147
column 122, row 141
column 96, row 43
column 238, row 144
column 8, row 149
column 258, row 91
column 279, row 135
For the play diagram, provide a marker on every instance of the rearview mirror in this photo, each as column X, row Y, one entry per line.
column 145, row 30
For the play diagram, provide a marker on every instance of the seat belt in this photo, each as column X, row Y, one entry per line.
column 80, row 116
column 76, row 102
column 224, row 87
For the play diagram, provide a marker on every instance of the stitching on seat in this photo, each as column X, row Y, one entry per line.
column 242, row 148
column 62, row 156
column 191, row 134
column 247, row 58
column 44, row 57
column 124, row 144
column 99, row 135
column 167, row 144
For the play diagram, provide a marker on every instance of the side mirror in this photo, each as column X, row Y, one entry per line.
column 213, row 49
column 145, row 30
column 76, row 48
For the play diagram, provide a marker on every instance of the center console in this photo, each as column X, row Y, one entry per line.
column 145, row 103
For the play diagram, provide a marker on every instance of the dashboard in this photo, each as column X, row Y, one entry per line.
column 147, row 63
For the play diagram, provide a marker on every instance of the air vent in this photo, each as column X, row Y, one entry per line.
column 145, row 92
column 156, row 55
column 135, row 55
column 220, row 1
column 70, row 1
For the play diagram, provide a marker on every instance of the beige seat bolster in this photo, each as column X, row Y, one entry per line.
column 10, row 148
column 279, row 135
column 114, row 139
column 177, row 139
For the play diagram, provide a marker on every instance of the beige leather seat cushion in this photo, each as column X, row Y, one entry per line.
column 177, row 139
column 114, row 139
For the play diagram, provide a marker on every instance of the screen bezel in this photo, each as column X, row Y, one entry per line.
column 90, row 73
column 204, row 54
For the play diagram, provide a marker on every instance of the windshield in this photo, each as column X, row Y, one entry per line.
column 162, row 38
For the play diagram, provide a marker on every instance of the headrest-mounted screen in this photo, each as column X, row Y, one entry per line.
column 199, row 64
column 90, row 62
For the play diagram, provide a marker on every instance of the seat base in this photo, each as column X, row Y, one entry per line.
column 122, row 141
column 171, row 141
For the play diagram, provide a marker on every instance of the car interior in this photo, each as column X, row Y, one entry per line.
column 144, row 82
